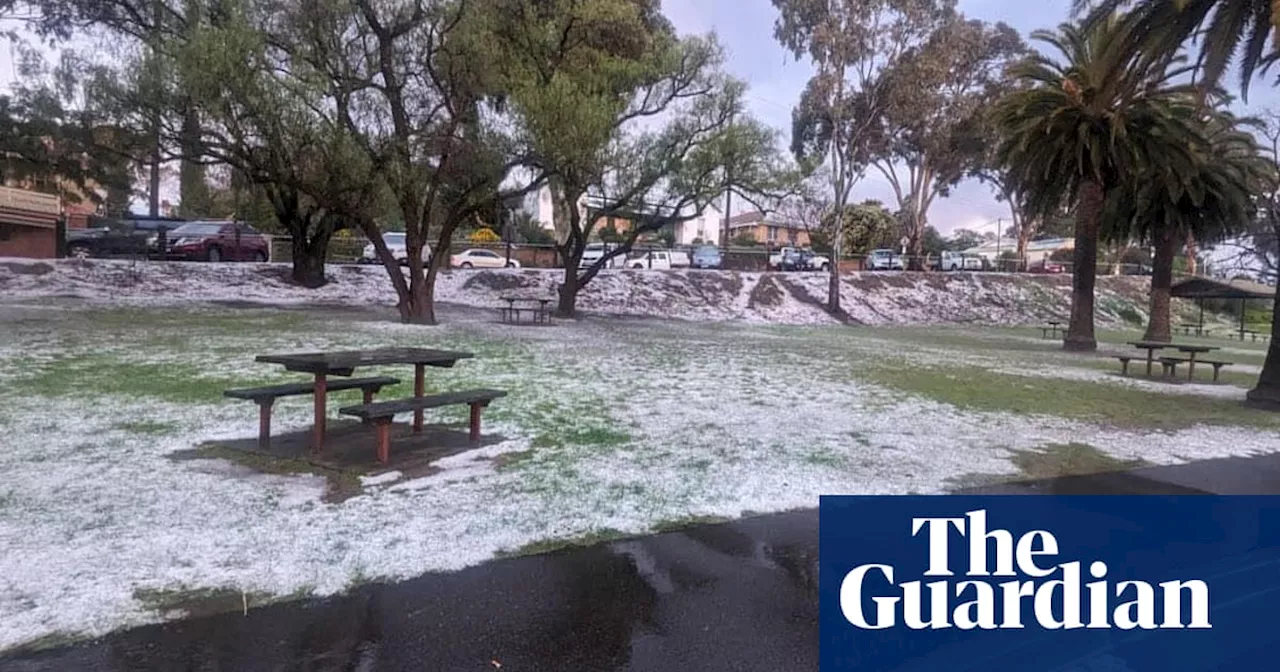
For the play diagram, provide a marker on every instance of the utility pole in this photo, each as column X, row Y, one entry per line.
column 728, row 193
column 999, row 239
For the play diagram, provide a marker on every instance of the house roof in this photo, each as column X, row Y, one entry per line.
column 755, row 218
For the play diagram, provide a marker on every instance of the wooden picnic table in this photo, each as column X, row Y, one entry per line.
column 1190, row 350
column 1054, row 326
column 511, row 313
column 343, row 364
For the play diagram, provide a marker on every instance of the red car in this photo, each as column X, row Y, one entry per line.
column 1045, row 267
column 218, row 241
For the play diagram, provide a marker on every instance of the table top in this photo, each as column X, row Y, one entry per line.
column 1151, row 345
column 1196, row 348
column 525, row 298
column 343, row 363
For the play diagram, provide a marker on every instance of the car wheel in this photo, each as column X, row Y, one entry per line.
column 260, row 257
column 213, row 255
column 826, row 268
column 511, row 264
column 467, row 264
column 78, row 252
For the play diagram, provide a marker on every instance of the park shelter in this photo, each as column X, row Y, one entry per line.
column 1240, row 290
column 28, row 223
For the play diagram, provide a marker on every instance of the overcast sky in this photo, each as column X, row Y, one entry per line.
column 745, row 28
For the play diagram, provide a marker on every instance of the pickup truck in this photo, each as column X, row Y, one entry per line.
column 657, row 260
column 797, row 259
column 119, row 237
column 885, row 260
column 955, row 261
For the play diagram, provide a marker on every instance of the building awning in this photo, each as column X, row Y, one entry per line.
column 1204, row 288
column 29, row 208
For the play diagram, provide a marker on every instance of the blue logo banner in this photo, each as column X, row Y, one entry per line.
column 1076, row 584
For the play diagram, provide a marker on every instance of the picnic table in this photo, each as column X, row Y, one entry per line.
column 1055, row 327
column 511, row 313
column 1190, row 350
column 1191, row 326
column 343, row 364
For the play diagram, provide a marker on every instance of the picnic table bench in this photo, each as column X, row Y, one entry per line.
column 1253, row 333
column 541, row 313
column 1053, row 326
column 266, row 397
column 321, row 365
column 1191, row 350
column 1170, row 366
column 1189, row 327
column 382, row 413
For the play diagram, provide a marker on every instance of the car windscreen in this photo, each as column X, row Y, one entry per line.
column 196, row 230
column 393, row 238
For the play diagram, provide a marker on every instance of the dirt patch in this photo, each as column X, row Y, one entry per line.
column 280, row 273
column 767, row 294
column 348, row 454
column 27, row 269
column 494, row 281
column 727, row 284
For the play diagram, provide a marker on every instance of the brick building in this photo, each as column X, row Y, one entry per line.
column 28, row 223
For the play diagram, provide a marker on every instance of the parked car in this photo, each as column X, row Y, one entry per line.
column 885, row 260
column 656, row 260
column 775, row 259
column 951, row 261
column 218, row 241
column 477, row 258
column 1046, row 267
column 595, row 252
column 792, row 260
column 680, row 259
column 815, row 262
column 707, row 256
column 115, row 237
column 398, row 248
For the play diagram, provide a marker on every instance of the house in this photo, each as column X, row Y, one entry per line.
column 29, row 223
column 540, row 207
column 1037, row 250
column 768, row 229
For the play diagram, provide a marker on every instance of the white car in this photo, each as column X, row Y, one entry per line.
column 476, row 258
column 885, row 260
column 397, row 247
column 775, row 259
column 656, row 260
column 680, row 259
column 595, row 252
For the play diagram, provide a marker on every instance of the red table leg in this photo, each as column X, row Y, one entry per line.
column 1191, row 366
column 317, row 434
column 419, row 389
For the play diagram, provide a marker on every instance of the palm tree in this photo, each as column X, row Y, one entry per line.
column 1213, row 201
column 1081, row 125
column 1225, row 29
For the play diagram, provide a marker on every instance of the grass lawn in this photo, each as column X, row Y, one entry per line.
column 111, row 514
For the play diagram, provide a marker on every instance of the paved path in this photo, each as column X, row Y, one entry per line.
column 740, row 596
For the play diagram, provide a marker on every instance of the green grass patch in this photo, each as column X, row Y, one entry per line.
column 582, row 436
column 977, row 389
column 591, row 538
column 200, row 602
column 49, row 642
column 1051, row 461
column 147, row 427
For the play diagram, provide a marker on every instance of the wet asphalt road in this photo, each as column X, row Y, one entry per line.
column 738, row 597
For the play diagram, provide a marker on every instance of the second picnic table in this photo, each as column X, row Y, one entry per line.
column 1191, row 351
column 343, row 364
column 541, row 314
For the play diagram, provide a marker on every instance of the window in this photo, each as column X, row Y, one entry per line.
column 773, row 234
column 484, row 253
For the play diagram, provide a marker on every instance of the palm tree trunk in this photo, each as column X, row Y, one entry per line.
column 1193, row 254
column 1267, row 393
column 1080, row 333
column 1159, row 327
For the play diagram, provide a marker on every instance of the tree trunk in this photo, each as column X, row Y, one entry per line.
column 1026, row 228
column 568, row 305
column 1080, row 333
column 153, row 188
column 1158, row 326
column 1193, row 254
column 915, row 262
column 309, row 255
column 1267, row 393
